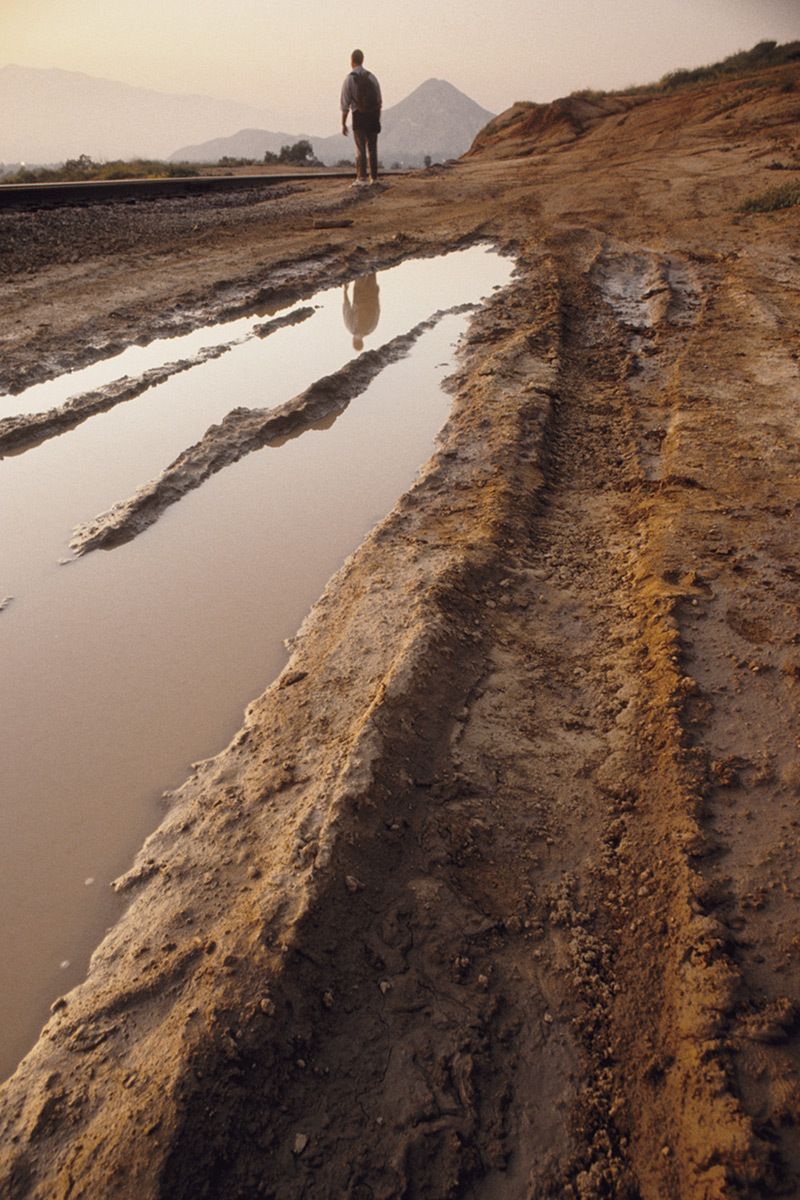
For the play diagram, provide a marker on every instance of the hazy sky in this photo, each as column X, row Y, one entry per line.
column 289, row 57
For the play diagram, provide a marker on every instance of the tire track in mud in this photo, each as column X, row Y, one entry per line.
column 274, row 826
column 726, row 563
column 479, row 916
column 678, row 1003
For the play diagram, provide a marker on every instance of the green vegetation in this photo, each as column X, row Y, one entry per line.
column 762, row 56
column 301, row 154
column 78, row 170
column 786, row 195
column 228, row 161
column 83, row 168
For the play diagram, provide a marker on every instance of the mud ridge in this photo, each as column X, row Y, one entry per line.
column 27, row 430
column 241, row 432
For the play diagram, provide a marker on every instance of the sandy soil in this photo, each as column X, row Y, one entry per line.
column 496, row 892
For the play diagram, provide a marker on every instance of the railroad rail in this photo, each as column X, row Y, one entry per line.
column 92, row 191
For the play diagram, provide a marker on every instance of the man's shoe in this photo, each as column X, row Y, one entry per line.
column 359, row 183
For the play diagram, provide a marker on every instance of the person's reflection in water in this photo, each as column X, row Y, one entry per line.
column 363, row 312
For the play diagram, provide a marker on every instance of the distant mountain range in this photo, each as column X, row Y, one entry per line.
column 52, row 115
column 436, row 119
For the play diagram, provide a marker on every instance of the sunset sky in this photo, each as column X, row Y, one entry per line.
column 289, row 58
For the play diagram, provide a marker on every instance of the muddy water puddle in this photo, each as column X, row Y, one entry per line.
column 122, row 667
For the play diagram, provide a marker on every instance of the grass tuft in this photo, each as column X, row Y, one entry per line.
column 786, row 195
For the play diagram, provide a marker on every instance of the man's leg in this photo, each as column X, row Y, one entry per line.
column 360, row 139
column 372, row 148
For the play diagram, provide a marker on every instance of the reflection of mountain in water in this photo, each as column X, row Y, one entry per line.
column 362, row 313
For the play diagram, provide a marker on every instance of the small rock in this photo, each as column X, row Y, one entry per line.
column 300, row 1143
column 548, row 1018
column 267, row 1006
column 385, row 986
column 292, row 678
column 352, row 884
column 327, row 999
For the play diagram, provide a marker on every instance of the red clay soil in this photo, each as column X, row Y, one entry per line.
column 496, row 893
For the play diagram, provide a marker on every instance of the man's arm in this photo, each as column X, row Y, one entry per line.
column 344, row 104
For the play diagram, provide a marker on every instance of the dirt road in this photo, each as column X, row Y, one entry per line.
column 496, row 892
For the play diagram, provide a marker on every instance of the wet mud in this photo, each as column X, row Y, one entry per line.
column 494, row 893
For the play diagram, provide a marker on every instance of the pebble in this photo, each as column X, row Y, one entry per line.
column 300, row 1143
column 385, row 986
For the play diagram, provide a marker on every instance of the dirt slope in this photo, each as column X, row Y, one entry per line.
column 496, row 892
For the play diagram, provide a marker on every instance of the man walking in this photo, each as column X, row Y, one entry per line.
column 361, row 95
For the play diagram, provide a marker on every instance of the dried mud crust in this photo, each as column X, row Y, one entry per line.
column 495, row 893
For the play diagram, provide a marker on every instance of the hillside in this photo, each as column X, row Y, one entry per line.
column 496, row 892
column 54, row 115
column 704, row 96
column 436, row 119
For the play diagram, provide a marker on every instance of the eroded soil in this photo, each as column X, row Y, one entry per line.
column 495, row 894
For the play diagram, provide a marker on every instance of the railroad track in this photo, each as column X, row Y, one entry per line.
column 54, row 195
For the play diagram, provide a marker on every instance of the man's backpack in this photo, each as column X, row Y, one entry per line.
column 366, row 92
